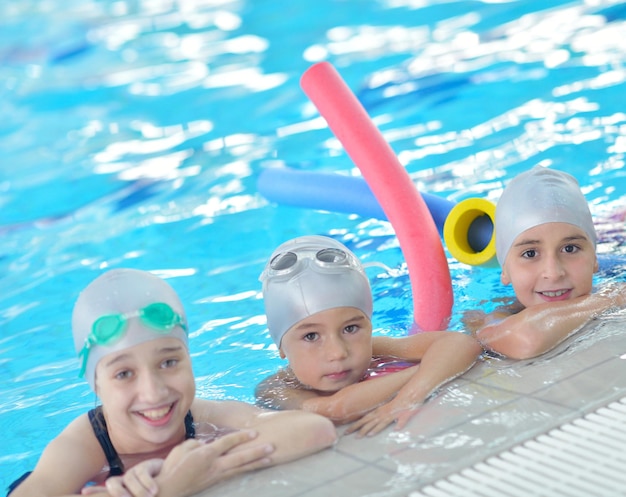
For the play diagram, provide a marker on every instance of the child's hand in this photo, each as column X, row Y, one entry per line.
column 381, row 417
column 189, row 468
column 95, row 490
column 194, row 466
column 138, row 481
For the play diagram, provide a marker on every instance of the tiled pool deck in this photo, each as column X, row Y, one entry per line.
column 494, row 406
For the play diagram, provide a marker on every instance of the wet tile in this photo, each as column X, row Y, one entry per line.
column 290, row 479
column 595, row 386
column 366, row 482
column 606, row 340
column 369, row 449
column 474, row 440
column 457, row 403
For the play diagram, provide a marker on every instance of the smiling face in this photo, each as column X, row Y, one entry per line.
column 330, row 349
column 549, row 263
column 146, row 391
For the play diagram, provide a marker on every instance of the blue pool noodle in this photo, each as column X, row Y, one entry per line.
column 335, row 193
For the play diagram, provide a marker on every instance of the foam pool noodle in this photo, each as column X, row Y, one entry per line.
column 404, row 207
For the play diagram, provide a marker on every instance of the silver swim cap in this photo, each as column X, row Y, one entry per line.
column 308, row 275
column 539, row 196
column 123, row 308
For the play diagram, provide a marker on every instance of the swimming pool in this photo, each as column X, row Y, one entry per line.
column 134, row 134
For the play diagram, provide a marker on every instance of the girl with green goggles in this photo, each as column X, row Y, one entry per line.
column 142, row 307
column 131, row 326
column 110, row 328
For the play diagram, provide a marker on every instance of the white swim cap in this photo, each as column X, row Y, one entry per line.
column 120, row 309
column 539, row 196
column 308, row 275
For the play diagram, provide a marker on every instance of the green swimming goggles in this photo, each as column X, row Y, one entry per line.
column 110, row 328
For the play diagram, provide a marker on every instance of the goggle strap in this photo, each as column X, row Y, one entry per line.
column 381, row 265
column 84, row 353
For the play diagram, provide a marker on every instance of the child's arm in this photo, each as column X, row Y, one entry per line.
column 265, row 438
column 75, row 458
column 539, row 328
column 282, row 391
column 194, row 466
column 354, row 401
column 67, row 463
column 189, row 468
column 443, row 356
column 292, row 434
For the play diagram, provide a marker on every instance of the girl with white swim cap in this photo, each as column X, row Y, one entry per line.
column 122, row 308
column 318, row 304
column 131, row 337
column 546, row 246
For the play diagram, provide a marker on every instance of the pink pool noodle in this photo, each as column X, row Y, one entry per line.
column 403, row 205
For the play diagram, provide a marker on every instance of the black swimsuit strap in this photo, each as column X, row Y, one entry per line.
column 190, row 430
column 17, row 482
column 96, row 418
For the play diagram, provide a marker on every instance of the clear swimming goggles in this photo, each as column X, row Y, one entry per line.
column 328, row 258
column 110, row 328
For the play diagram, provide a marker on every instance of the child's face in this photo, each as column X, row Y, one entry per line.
column 146, row 391
column 330, row 349
column 550, row 263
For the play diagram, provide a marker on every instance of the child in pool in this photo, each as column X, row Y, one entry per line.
column 130, row 333
column 546, row 245
column 318, row 304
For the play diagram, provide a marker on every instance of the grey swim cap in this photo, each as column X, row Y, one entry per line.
column 539, row 196
column 308, row 275
column 122, row 292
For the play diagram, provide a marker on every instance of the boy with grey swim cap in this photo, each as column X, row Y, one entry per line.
column 308, row 275
column 318, row 303
column 546, row 245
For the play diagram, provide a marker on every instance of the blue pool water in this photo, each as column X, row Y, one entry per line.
column 133, row 134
